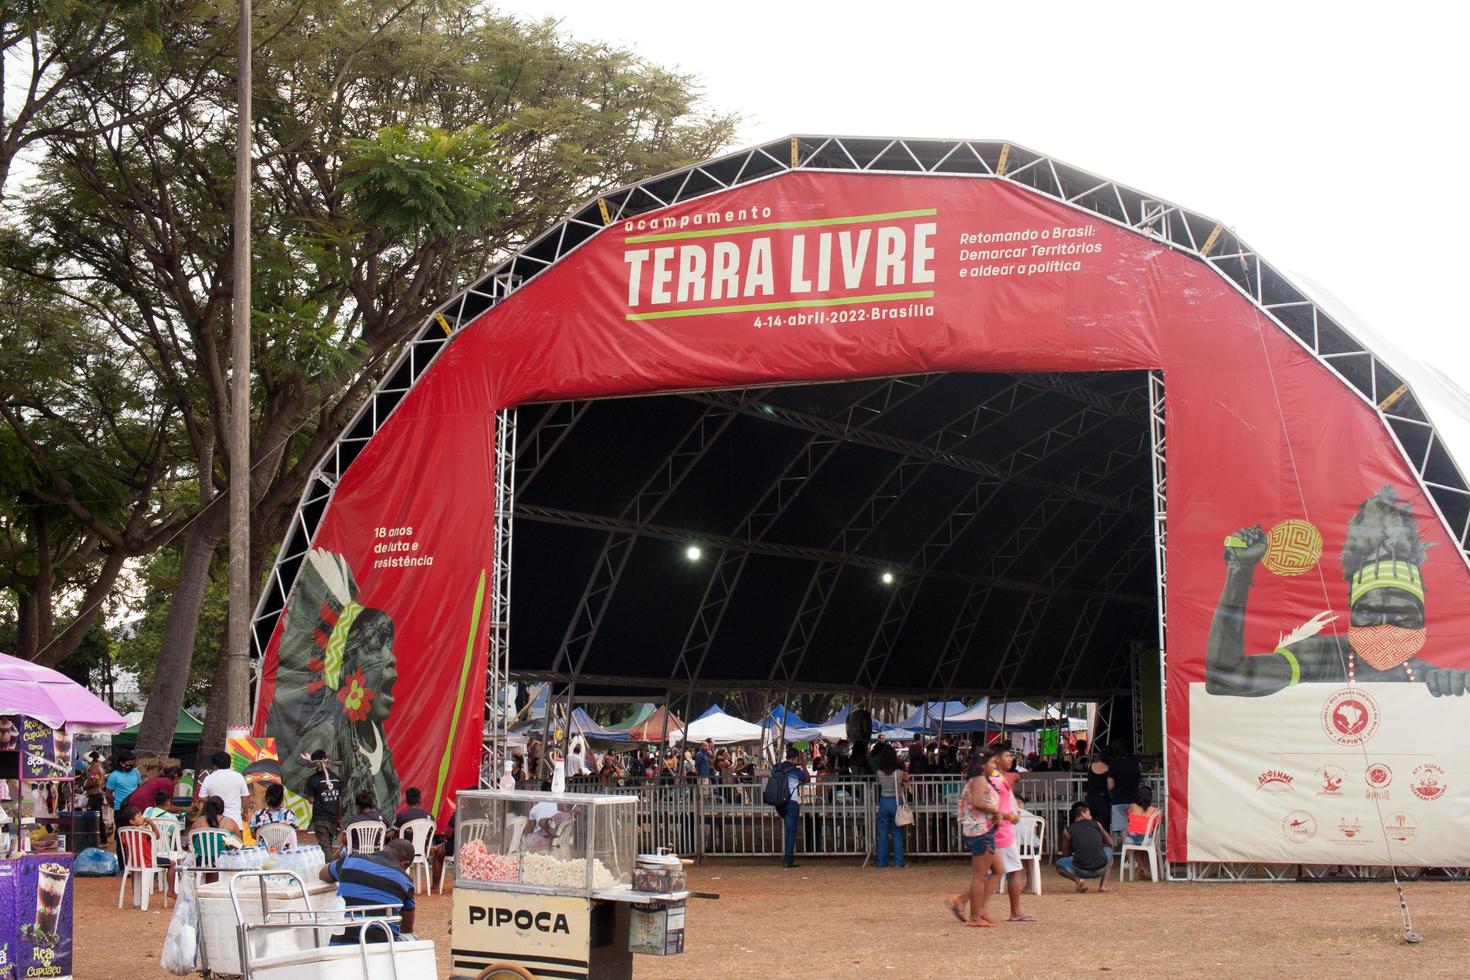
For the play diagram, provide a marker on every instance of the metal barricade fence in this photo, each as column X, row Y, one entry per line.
column 936, row 830
column 838, row 816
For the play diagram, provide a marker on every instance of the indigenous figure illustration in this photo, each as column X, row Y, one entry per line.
column 1381, row 561
column 334, row 683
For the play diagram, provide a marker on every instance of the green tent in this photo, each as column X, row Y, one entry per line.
column 640, row 713
column 187, row 731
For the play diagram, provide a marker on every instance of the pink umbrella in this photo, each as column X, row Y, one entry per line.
column 52, row 698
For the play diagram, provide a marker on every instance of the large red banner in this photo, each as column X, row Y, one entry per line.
column 1301, row 550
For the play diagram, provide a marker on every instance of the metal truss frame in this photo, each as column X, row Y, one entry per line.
column 1272, row 293
column 1256, row 871
column 964, row 514
column 607, row 571
column 762, row 516
column 497, row 679
column 1026, row 531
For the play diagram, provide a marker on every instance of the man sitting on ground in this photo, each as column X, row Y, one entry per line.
column 374, row 879
column 1087, row 850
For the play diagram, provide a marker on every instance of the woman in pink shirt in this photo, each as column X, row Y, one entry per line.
column 997, row 772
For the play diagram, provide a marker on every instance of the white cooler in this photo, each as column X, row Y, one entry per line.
column 217, row 920
column 415, row 960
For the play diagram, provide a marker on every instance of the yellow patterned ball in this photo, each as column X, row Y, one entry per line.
column 1293, row 547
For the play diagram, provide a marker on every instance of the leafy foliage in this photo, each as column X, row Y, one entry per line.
column 400, row 147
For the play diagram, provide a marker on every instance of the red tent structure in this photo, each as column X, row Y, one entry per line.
column 656, row 727
column 919, row 419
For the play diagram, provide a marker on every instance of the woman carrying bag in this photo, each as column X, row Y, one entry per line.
column 892, row 784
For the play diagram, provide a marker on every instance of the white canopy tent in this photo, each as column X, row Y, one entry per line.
column 721, row 728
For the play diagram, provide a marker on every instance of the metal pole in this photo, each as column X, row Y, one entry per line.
column 237, row 676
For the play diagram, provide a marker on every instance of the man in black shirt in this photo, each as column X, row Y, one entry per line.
column 412, row 797
column 1124, row 776
column 324, row 789
column 1087, row 850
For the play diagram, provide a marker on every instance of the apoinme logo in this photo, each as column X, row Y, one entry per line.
column 843, row 260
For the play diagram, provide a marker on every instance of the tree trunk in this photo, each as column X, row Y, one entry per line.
column 216, row 712
column 180, row 630
column 52, row 650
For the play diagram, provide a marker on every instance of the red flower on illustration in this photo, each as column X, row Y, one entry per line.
column 316, row 667
column 356, row 697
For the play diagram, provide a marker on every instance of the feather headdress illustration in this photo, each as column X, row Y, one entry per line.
column 334, row 681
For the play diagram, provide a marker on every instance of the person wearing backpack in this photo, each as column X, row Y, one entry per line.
column 782, row 792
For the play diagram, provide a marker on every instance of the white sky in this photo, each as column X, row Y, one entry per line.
column 1329, row 136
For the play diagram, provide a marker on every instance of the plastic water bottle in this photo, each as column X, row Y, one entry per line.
column 508, row 781
column 559, row 777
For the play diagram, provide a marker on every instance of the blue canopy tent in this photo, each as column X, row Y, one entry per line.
column 796, row 730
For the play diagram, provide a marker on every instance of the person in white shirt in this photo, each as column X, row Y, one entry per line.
column 576, row 758
column 228, row 785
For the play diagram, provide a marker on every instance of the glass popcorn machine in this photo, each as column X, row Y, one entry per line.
column 545, row 882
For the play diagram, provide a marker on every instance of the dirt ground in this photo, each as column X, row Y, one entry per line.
column 836, row 919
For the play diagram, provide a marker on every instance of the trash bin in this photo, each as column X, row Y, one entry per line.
column 84, row 833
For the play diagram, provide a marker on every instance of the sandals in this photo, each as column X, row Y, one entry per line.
column 958, row 912
column 1022, row 918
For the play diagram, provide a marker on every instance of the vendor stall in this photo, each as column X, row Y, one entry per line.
column 40, row 709
column 547, row 883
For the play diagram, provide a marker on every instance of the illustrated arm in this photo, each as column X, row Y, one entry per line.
column 1227, row 669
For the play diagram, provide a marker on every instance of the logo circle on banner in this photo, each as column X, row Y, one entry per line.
column 1428, row 782
column 1332, row 778
column 1299, row 826
column 1350, row 716
column 1401, row 829
column 1293, row 547
column 1378, row 775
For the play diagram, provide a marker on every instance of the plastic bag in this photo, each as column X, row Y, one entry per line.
column 181, row 944
column 94, row 862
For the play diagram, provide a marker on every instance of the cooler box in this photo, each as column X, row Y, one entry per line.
column 217, row 920
column 414, row 959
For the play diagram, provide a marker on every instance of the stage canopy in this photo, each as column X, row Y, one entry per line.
column 908, row 418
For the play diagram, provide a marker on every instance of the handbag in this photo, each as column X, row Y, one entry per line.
column 974, row 822
column 903, row 816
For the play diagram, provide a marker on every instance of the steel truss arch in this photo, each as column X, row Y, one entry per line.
column 1276, row 298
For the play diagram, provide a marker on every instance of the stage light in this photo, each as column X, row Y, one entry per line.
column 692, row 552
column 887, row 578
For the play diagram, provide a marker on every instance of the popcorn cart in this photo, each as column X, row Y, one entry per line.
column 544, row 887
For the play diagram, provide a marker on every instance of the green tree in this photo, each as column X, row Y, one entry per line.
column 84, row 461
column 400, row 148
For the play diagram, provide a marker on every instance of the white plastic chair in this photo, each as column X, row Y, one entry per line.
column 1149, row 847
column 366, row 837
column 140, row 857
column 1029, row 834
column 276, row 836
column 420, row 833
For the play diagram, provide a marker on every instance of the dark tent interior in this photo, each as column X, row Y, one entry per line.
column 947, row 534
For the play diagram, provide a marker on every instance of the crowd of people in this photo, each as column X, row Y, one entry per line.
column 1115, row 805
column 619, row 766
